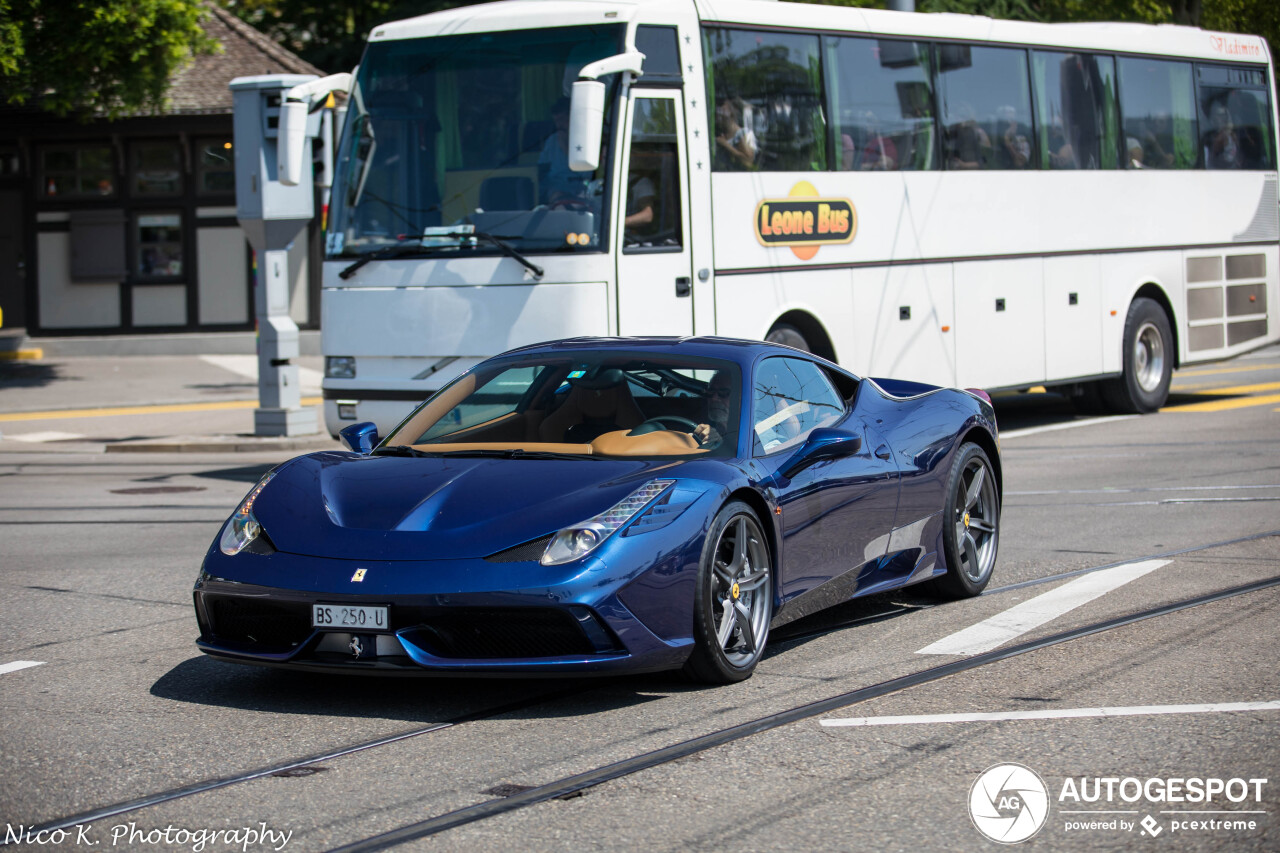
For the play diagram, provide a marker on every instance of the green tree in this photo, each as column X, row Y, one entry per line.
column 330, row 34
column 95, row 57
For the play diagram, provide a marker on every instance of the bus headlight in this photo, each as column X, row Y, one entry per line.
column 340, row 366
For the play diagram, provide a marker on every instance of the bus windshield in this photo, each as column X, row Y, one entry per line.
column 468, row 133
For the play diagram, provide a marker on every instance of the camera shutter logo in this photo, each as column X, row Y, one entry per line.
column 1009, row 803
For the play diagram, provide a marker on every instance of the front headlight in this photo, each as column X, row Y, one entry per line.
column 581, row 539
column 243, row 527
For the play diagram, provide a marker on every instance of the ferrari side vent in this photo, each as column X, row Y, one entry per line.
column 529, row 552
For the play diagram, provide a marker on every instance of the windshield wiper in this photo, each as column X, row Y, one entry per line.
column 516, row 453
column 400, row 249
column 507, row 250
column 393, row 251
column 402, row 450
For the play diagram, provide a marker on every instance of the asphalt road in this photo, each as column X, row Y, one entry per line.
column 99, row 552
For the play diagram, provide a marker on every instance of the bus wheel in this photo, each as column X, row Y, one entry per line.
column 1148, row 361
column 787, row 336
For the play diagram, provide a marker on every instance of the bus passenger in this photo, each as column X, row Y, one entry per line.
column 558, row 182
column 1221, row 147
column 968, row 145
column 737, row 144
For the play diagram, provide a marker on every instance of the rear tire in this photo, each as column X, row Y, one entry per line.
column 970, row 525
column 1148, row 361
column 733, row 599
column 788, row 335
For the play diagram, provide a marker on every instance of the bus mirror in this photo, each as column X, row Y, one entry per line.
column 292, row 133
column 586, row 123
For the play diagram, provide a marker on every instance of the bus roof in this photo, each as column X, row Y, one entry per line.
column 1159, row 40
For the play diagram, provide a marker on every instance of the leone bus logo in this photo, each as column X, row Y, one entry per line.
column 1009, row 803
column 804, row 221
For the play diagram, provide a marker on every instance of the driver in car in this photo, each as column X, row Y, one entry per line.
column 719, row 391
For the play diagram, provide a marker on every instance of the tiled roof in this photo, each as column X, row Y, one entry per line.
column 201, row 86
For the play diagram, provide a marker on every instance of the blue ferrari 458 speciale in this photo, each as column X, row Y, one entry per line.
column 607, row 505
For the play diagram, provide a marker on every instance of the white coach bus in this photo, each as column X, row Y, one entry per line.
column 941, row 198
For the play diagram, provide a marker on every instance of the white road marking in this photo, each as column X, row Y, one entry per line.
column 247, row 366
column 1058, row 714
column 1123, row 491
column 1021, row 618
column 14, row 666
column 39, row 437
column 1019, row 433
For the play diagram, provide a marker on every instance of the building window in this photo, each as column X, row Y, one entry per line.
column 215, row 167
column 81, row 171
column 157, row 169
column 10, row 162
column 159, row 242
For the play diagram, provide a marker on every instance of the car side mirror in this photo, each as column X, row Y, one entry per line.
column 361, row 437
column 823, row 443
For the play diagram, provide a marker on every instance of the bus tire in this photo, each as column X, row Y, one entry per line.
column 787, row 335
column 1148, row 361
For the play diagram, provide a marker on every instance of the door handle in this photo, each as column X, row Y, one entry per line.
column 882, row 452
column 684, row 285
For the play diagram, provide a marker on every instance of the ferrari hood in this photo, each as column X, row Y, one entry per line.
column 346, row 506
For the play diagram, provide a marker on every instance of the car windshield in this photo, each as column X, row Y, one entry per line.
column 469, row 130
column 597, row 404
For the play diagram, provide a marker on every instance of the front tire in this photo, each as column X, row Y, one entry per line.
column 1148, row 361
column 971, row 525
column 733, row 600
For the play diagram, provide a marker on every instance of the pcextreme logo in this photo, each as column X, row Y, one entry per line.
column 804, row 221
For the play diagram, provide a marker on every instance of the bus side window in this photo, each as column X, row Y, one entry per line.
column 1157, row 103
column 1235, row 118
column 766, row 98
column 985, row 100
column 653, row 215
column 1076, row 110
column 882, row 104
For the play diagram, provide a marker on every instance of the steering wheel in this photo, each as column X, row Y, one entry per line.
column 658, row 423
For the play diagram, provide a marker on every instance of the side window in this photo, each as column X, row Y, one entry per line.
column 789, row 399
column 985, row 100
column 1235, row 118
column 1157, row 104
column 653, row 179
column 766, row 101
column 1076, row 110
column 881, row 104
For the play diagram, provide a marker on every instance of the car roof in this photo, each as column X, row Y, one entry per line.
column 730, row 349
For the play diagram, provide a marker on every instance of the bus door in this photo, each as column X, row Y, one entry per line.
column 655, row 281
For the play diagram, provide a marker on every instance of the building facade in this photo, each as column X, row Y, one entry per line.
column 129, row 226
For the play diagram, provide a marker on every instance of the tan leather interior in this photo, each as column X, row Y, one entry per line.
column 617, row 443
column 612, row 406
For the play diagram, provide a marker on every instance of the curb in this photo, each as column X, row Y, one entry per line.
column 34, row 354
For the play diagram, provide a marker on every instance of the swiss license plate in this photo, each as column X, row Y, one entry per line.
column 350, row 616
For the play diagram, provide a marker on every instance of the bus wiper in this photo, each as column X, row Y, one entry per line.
column 393, row 251
column 507, row 250
column 399, row 249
